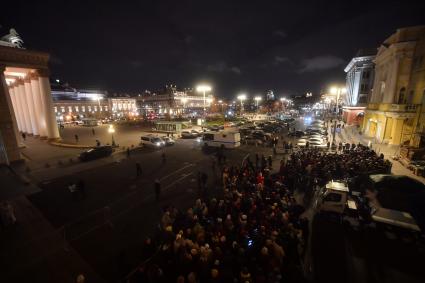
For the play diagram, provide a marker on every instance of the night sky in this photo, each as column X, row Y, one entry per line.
column 289, row 46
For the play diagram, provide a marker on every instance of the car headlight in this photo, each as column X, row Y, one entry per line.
column 158, row 144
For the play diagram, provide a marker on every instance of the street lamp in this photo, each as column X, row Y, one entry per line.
column 242, row 97
column 184, row 100
column 203, row 89
column 257, row 98
column 111, row 130
column 220, row 102
column 282, row 99
column 337, row 91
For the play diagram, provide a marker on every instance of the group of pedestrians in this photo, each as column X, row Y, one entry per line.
column 7, row 214
column 77, row 190
column 254, row 232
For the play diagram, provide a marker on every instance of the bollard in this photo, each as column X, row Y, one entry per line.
column 65, row 243
column 47, row 165
column 107, row 215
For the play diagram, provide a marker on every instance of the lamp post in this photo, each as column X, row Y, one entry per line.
column 257, row 98
column 337, row 91
column 203, row 89
column 282, row 99
column 111, row 130
column 221, row 105
column 242, row 97
column 184, row 100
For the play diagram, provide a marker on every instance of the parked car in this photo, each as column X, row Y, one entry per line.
column 188, row 135
column 95, row 153
column 152, row 141
column 296, row 134
column 168, row 140
column 252, row 141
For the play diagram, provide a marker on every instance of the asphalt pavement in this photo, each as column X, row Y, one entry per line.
column 107, row 226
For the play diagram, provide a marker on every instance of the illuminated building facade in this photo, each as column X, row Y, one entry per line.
column 359, row 82
column 173, row 102
column 394, row 112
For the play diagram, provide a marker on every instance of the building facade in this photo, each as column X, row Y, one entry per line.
column 393, row 112
column 359, row 83
column 25, row 97
column 173, row 102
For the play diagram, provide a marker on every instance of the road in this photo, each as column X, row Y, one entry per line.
column 130, row 201
column 114, row 195
column 339, row 254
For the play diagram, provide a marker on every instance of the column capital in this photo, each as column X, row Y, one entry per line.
column 19, row 81
column 43, row 72
column 33, row 75
column 27, row 79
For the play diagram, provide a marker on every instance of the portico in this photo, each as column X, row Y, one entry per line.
column 25, row 100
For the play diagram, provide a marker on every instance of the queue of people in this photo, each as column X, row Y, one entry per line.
column 252, row 234
column 255, row 231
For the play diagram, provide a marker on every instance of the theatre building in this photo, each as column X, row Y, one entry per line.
column 359, row 82
column 26, row 104
column 394, row 112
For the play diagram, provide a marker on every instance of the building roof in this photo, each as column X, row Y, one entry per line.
column 367, row 52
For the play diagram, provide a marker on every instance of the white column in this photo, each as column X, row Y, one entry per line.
column 15, row 107
column 39, row 108
column 31, row 108
column 20, row 108
column 9, row 149
column 52, row 126
column 25, row 109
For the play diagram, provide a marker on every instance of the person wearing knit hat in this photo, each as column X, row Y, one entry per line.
column 214, row 273
column 80, row 278
column 194, row 252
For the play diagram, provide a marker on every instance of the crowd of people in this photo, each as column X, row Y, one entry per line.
column 254, row 231
column 308, row 167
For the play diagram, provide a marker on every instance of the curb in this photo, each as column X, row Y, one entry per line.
column 59, row 144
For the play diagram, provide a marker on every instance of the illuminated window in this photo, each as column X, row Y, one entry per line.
column 56, row 109
column 70, row 109
column 83, row 108
column 106, row 108
column 63, row 109
column 95, row 108
column 89, row 108
column 76, row 108
column 100, row 108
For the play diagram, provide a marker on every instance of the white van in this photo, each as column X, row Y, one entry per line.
column 151, row 141
column 224, row 139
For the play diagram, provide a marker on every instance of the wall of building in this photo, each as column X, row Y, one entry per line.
column 394, row 112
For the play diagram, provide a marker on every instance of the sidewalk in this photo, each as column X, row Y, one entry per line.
column 350, row 134
column 31, row 250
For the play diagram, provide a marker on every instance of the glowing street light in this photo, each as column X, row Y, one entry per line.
column 203, row 89
column 184, row 100
column 257, row 98
column 242, row 97
column 335, row 90
column 111, row 130
column 282, row 99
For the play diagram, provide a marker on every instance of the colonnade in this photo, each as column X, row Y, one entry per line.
column 32, row 105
